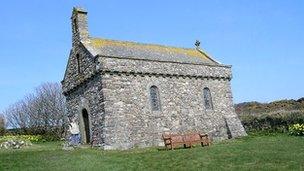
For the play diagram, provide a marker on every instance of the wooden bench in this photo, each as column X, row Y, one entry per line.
column 172, row 141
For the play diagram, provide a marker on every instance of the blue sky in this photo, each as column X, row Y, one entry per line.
column 263, row 40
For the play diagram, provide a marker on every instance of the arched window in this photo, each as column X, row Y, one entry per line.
column 78, row 63
column 154, row 98
column 207, row 99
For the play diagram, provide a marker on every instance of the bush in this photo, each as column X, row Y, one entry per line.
column 31, row 138
column 296, row 129
column 2, row 131
column 276, row 123
column 47, row 136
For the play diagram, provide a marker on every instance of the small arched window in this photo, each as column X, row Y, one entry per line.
column 78, row 63
column 154, row 98
column 207, row 99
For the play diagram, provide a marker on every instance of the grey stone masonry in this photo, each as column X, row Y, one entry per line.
column 108, row 88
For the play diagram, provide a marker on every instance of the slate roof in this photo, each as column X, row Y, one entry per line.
column 106, row 47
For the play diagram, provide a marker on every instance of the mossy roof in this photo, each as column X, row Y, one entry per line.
column 106, row 47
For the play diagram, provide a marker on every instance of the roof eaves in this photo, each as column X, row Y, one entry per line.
column 208, row 56
column 166, row 61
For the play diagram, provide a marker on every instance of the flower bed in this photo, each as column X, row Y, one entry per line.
column 296, row 129
column 31, row 138
column 18, row 141
column 15, row 144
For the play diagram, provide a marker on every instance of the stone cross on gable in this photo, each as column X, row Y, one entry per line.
column 197, row 43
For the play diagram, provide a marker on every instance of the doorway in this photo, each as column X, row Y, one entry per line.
column 86, row 127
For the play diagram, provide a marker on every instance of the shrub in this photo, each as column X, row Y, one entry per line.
column 275, row 123
column 2, row 131
column 296, row 129
column 31, row 138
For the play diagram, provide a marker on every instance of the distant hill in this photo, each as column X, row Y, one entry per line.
column 275, row 107
column 275, row 116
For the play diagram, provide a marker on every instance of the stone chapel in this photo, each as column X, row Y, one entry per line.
column 126, row 94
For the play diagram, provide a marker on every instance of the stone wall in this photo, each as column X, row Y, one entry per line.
column 129, row 119
column 83, row 90
column 88, row 96
column 72, row 77
column 80, row 32
column 117, row 64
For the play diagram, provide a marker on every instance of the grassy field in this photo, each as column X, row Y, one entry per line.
column 277, row 152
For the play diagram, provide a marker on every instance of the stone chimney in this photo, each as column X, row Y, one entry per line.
column 79, row 25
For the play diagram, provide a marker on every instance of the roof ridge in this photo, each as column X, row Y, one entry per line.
column 145, row 44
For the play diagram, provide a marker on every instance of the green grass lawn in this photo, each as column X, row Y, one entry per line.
column 277, row 152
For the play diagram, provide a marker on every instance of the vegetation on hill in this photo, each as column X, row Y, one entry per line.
column 281, row 106
column 275, row 116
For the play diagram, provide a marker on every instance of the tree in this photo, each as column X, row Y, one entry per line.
column 16, row 115
column 41, row 112
column 2, row 125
